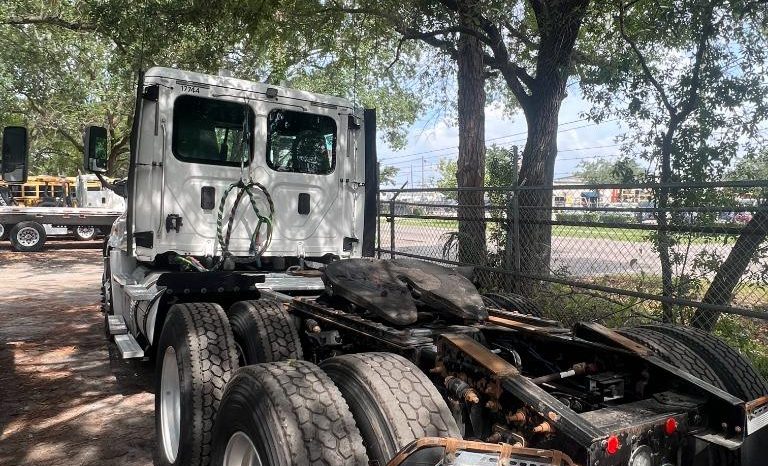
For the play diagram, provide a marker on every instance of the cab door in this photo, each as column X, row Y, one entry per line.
column 302, row 163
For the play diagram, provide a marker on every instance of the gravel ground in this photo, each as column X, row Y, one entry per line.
column 66, row 398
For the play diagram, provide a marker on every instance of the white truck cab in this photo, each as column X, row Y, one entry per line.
column 197, row 134
column 230, row 184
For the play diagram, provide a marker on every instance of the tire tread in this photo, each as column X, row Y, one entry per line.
column 739, row 376
column 278, row 338
column 213, row 361
column 674, row 353
column 514, row 302
column 408, row 400
column 326, row 429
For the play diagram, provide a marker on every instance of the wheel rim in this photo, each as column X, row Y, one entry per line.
column 170, row 405
column 2, row 230
column 28, row 236
column 86, row 232
column 241, row 452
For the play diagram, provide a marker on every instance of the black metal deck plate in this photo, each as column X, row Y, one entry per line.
column 216, row 281
column 386, row 288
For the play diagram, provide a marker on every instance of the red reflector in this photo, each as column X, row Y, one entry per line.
column 613, row 445
column 670, row 427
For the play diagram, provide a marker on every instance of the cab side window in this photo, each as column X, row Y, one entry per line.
column 301, row 142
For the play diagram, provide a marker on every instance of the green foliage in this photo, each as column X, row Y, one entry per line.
column 500, row 168
column 748, row 337
column 64, row 65
column 753, row 166
column 718, row 97
column 387, row 175
column 623, row 170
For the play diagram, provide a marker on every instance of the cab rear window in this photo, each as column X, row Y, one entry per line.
column 212, row 131
column 301, row 142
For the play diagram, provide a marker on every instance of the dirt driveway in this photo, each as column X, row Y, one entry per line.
column 65, row 397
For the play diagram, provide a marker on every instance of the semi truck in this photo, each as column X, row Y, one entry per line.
column 244, row 270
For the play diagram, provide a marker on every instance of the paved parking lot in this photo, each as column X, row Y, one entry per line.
column 65, row 397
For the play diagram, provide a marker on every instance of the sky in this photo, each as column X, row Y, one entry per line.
column 430, row 141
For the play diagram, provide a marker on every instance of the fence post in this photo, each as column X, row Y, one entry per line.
column 392, row 228
column 516, row 216
column 378, row 214
column 509, row 244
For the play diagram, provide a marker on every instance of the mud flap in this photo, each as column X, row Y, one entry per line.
column 753, row 450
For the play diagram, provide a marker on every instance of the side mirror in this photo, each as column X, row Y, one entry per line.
column 14, row 155
column 95, row 149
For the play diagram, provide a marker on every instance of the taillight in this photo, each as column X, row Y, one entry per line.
column 612, row 445
column 670, row 427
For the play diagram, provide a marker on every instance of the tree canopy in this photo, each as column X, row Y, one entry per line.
column 68, row 64
column 622, row 170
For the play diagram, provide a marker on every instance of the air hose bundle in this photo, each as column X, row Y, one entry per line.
column 257, row 247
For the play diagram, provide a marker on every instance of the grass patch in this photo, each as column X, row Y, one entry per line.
column 452, row 225
column 617, row 234
column 567, row 231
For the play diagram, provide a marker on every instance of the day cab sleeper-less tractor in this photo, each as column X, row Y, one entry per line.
column 243, row 267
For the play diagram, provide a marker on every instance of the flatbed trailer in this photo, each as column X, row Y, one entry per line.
column 25, row 227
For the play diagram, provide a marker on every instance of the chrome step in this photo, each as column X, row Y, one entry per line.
column 116, row 325
column 128, row 346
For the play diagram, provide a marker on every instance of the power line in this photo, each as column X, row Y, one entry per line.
column 405, row 163
column 487, row 140
column 508, row 144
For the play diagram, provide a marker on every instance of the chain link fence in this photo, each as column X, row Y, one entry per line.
column 610, row 253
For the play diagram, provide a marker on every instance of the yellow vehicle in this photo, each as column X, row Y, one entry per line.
column 43, row 190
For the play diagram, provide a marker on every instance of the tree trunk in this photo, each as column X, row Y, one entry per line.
column 559, row 24
column 720, row 291
column 663, row 240
column 470, row 171
column 538, row 169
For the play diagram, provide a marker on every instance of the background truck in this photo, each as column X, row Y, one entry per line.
column 240, row 268
column 33, row 209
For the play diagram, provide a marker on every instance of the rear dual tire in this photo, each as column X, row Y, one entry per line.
column 282, row 414
column 704, row 356
column 263, row 332
column 355, row 409
column 740, row 378
column 196, row 358
column 393, row 403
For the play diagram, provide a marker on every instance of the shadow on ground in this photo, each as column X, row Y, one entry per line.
column 65, row 396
